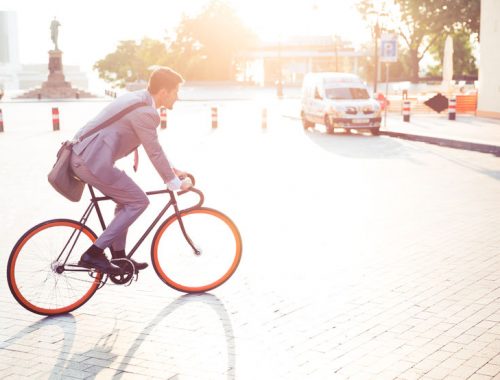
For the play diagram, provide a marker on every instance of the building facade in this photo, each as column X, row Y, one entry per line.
column 288, row 61
column 9, row 53
column 16, row 76
column 489, row 60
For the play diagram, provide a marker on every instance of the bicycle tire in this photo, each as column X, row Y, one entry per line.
column 175, row 262
column 34, row 256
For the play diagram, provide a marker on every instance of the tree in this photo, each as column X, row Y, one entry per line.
column 464, row 63
column 203, row 47
column 130, row 61
column 422, row 22
column 206, row 45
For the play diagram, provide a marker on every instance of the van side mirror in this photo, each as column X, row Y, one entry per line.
column 317, row 95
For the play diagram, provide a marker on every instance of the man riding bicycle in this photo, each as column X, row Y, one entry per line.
column 93, row 161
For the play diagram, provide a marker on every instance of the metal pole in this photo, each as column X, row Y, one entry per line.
column 375, row 68
column 386, row 92
column 279, row 88
column 336, row 55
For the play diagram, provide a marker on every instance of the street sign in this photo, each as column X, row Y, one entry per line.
column 438, row 103
column 388, row 48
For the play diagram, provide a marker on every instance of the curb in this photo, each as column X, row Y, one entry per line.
column 457, row 144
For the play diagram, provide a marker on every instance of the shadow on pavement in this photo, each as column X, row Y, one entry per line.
column 102, row 352
column 360, row 145
column 66, row 322
column 467, row 164
column 204, row 298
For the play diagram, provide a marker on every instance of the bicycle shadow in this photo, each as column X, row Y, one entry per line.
column 102, row 352
column 68, row 327
column 206, row 298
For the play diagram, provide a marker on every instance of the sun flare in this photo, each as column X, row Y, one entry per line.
column 280, row 20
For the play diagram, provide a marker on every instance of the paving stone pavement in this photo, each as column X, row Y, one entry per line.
column 364, row 258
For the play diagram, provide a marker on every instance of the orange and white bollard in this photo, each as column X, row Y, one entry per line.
column 452, row 108
column 264, row 118
column 55, row 118
column 214, row 117
column 163, row 118
column 406, row 110
column 1, row 121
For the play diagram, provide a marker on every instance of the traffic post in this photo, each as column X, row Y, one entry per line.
column 214, row 117
column 55, row 118
column 163, row 117
column 264, row 118
column 406, row 111
column 1, row 121
column 452, row 108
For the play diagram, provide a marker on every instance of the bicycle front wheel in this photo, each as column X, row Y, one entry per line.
column 217, row 255
column 37, row 272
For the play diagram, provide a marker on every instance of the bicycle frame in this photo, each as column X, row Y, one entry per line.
column 94, row 204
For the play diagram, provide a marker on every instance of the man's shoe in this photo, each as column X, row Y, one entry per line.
column 118, row 259
column 100, row 262
column 123, row 263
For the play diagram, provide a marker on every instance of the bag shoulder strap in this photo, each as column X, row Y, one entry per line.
column 112, row 119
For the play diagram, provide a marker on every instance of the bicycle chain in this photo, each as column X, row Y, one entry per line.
column 104, row 279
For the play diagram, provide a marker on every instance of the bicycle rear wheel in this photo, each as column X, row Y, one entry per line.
column 180, row 267
column 37, row 275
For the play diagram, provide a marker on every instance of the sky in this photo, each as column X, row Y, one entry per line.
column 91, row 29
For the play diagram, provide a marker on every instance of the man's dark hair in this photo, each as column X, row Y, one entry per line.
column 163, row 77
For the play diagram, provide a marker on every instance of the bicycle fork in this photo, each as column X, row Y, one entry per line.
column 196, row 250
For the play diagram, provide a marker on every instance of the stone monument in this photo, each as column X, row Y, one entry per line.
column 56, row 87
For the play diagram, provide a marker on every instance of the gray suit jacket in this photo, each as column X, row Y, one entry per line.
column 100, row 150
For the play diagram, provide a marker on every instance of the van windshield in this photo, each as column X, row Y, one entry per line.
column 346, row 93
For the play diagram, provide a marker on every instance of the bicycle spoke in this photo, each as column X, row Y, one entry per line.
column 179, row 265
column 32, row 274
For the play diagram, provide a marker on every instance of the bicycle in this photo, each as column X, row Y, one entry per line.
column 194, row 250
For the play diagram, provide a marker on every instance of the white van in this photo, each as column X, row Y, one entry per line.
column 338, row 100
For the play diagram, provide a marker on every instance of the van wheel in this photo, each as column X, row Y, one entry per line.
column 329, row 125
column 306, row 123
column 375, row 131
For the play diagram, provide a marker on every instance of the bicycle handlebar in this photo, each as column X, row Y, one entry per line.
column 194, row 190
column 191, row 177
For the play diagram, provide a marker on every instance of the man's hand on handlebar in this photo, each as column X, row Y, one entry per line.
column 186, row 184
column 182, row 182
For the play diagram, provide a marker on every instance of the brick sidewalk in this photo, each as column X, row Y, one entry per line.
column 466, row 132
column 385, row 265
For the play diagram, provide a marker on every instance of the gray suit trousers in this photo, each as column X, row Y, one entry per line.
column 130, row 200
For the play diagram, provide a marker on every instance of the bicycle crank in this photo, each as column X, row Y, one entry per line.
column 128, row 270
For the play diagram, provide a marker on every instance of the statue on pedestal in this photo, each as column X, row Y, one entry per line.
column 56, row 86
column 54, row 32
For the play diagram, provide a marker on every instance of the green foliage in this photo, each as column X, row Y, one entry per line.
column 423, row 22
column 464, row 63
column 206, row 45
column 130, row 61
column 204, row 48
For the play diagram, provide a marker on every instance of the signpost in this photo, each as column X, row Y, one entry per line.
column 388, row 53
